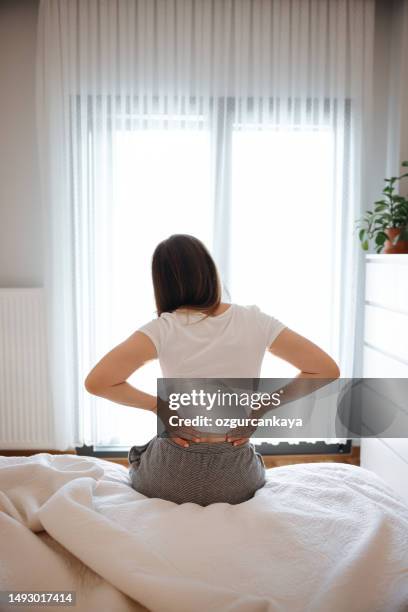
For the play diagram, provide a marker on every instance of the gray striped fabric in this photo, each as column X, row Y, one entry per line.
column 201, row 473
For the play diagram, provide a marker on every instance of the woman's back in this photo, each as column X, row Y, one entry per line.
column 228, row 345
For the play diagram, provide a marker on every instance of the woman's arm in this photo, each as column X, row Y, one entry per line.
column 306, row 356
column 312, row 363
column 108, row 378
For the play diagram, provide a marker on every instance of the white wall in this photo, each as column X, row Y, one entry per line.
column 387, row 142
column 397, row 149
column 20, row 214
column 402, row 80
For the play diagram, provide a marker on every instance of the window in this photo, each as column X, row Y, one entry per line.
column 270, row 199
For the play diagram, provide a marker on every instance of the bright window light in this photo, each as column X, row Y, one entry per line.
column 161, row 186
column 281, row 216
column 282, row 195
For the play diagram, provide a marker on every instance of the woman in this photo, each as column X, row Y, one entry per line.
column 198, row 336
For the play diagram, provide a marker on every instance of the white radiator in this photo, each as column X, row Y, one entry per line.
column 25, row 419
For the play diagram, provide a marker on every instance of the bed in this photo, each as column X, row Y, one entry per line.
column 317, row 537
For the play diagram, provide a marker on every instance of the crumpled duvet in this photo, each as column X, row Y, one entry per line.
column 321, row 537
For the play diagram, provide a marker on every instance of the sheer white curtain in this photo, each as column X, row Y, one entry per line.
column 243, row 122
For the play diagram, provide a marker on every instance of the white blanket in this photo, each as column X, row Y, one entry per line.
column 317, row 538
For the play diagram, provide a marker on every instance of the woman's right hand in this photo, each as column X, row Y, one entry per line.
column 184, row 436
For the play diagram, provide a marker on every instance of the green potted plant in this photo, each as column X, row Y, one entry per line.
column 387, row 224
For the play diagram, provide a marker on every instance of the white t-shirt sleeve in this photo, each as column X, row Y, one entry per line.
column 154, row 331
column 269, row 326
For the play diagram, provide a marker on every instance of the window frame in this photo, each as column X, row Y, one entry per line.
column 222, row 114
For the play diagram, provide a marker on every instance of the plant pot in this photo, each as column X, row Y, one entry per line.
column 400, row 247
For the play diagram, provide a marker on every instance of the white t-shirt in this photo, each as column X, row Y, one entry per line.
column 229, row 345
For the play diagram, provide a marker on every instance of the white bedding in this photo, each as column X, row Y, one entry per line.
column 317, row 538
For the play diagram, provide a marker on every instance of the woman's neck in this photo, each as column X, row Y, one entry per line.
column 220, row 309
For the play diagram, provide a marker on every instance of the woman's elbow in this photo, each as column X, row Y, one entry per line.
column 331, row 370
column 92, row 385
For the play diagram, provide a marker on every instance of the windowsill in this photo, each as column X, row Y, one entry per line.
column 275, row 460
column 284, row 449
column 271, row 461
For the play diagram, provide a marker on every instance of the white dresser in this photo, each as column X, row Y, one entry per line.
column 386, row 356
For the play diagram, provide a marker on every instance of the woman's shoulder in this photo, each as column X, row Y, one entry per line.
column 247, row 309
column 158, row 329
column 259, row 318
column 160, row 321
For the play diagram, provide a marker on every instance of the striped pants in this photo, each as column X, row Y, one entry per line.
column 202, row 473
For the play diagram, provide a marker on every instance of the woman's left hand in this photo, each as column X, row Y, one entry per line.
column 184, row 436
column 183, row 442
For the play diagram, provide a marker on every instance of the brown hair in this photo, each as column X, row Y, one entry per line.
column 184, row 275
